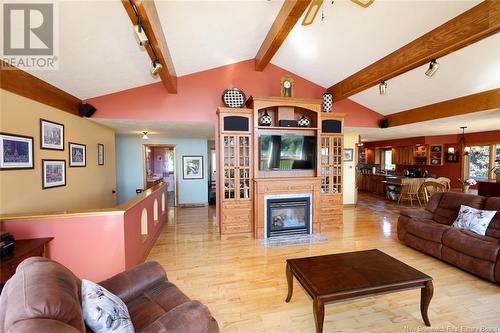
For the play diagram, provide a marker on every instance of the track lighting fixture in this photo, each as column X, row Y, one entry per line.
column 382, row 88
column 140, row 34
column 156, row 67
column 145, row 135
column 433, row 67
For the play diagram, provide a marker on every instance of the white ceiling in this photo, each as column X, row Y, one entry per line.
column 475, row 122
column 470, row 70
column 183, row 129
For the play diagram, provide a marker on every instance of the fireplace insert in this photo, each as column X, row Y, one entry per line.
column 288, row 216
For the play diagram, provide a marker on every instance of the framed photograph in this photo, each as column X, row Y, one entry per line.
column 348, row 154
column 16, row 152
column 77, row 155
column 100, row 154
column 51, row 135
column 192, row 167
column 53, row 173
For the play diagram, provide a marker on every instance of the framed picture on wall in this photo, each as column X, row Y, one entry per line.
column 51, row 135
column 348, row 154
column 16, row 152
column 77, row 154
column 53, row 173
column 100, row 154
column 192, row 167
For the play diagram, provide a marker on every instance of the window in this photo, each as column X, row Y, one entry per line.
column 479, row 162
column 170, row 160
column 386, row 155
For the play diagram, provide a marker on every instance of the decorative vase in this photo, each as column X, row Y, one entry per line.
column 327, row 102
column 465, row 188
column 265, row 120
column 304, row 122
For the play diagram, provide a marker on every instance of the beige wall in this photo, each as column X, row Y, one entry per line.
column 86, row 187
column 350, row 194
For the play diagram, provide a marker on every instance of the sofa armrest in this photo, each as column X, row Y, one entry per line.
column 131, row 283
column 416, row 213
column 189, row 317
column 42, row 325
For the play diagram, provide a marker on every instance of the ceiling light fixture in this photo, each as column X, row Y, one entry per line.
column 156, row 67
column 462, row 141
column 145, row 135
column 433, row 67
column 312, row 11
column 142, row 38
column 382, row 88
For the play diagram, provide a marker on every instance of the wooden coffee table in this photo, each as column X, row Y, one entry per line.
column 344, row 276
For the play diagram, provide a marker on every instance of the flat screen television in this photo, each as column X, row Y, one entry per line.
column 287, row 152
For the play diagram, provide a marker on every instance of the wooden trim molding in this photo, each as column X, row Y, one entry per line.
column 482, row 101
column 289, row 14
column 469, row 27
column 152, row 26
column 22, row 83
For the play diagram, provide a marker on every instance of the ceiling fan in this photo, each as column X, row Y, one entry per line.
column 316, row 5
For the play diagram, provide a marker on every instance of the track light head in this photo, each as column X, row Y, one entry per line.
column 145, row 135
column 156, row 67
column 382, row 88
column 433, row 67
column 140, row 34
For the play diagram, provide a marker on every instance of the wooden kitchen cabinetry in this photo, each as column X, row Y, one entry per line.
column 371, row 183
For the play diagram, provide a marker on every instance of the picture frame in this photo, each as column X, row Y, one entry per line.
column 348, row 154
column 51, row 135
column 192, row 167
column 16, row 152
column 77, row 155
column 100, row 154
column 53, row 173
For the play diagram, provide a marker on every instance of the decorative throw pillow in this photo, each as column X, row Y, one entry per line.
column 103, row 311
column 473, row 219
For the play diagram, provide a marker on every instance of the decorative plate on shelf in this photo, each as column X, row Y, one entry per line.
column 233, row 98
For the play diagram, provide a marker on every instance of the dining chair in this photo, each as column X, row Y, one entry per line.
column 446, row 182
column 428, row 188
column 410, row 190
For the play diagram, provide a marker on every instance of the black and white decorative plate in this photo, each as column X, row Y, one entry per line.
column 233, row 98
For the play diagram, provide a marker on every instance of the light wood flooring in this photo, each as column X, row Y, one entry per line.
column 244, row 285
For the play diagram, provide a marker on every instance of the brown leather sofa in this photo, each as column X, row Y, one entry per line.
column 44, row 297
column 429, row 230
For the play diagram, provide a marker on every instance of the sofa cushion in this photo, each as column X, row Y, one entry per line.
column 472, row 219
column 424, row 245
column 426, row 229
column 154, row 303
column 449, row 206
column 493, row 230
column 471, row 244
column 416, row 212
column 48, row 290
column 479, row 267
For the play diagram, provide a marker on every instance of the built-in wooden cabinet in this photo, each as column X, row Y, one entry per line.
column 435, row 155
column 236, row 161
column 403, row 155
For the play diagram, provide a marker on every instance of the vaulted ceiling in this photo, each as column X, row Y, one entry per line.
column 99, row 53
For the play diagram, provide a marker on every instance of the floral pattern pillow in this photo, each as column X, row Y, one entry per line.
column 103, row 311
column 473, row 219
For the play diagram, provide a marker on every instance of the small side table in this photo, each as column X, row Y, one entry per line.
column 25, row 248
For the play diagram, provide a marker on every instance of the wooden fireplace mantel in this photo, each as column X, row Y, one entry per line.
column 272, row 186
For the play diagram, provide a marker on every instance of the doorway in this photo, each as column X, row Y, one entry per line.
column 160, row 163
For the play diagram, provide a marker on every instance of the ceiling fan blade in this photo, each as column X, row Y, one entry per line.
column 312, row 11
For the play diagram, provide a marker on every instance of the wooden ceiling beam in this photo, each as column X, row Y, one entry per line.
column 146, row 10
column 22, row 83
column 469, row 27
column 289, row 14
column 482, row 101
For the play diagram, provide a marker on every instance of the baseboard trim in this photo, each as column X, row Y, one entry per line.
column 349, row 205
column 193, row 205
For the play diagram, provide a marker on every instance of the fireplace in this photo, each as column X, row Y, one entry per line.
column 288, row 216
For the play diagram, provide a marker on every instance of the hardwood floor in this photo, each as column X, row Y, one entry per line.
column 244, row 284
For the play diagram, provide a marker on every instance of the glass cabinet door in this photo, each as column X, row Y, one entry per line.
column 244, row 166
column 229, row 152
column 325, row 164
column 331, row 164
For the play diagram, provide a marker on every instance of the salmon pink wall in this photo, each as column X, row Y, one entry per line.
column 199, row 95
column 449, row 170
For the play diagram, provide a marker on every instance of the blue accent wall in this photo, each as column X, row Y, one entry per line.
column 130, row 166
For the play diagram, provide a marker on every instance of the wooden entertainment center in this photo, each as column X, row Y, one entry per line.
column 246, row 179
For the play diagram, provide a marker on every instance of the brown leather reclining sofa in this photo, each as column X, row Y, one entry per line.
column 429, row 230
column 44, row 297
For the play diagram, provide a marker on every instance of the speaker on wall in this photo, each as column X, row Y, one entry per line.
column 331, row 126
column 383, row 123
column 87, row 110
column 236, row 123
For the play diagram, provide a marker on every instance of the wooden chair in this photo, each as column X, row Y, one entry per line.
column 428, row 188
column 410, row 191
column 446, row 182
